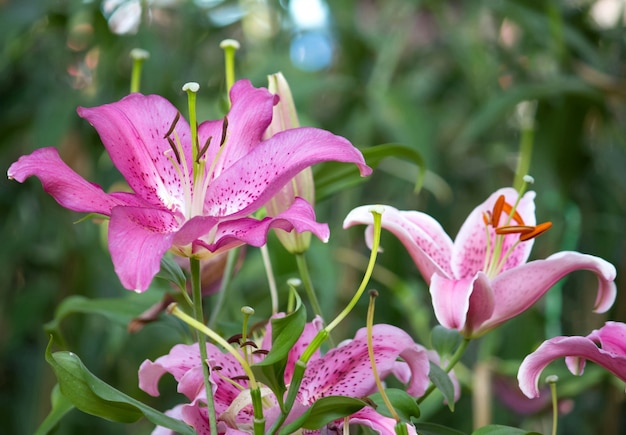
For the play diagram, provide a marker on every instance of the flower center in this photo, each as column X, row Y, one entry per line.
column 497, row 251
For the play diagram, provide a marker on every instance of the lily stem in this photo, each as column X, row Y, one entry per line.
column 233, row 254
column 456, row 357
column 308, row 284
column 196, row 291
column 322, row 335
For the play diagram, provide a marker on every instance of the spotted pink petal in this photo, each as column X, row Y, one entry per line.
column 251, row 181
column 67, row 187
column 462, row 304
column 300, row 216
column 346, row 370
column 576, row 350
column 517, row 289
column 132, row 130
column 423, row 237
column 470, row 244
column 138, row 239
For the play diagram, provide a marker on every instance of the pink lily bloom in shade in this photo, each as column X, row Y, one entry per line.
column 194, row 208
column 344, row 370
column 605, row 346
column 482, row 278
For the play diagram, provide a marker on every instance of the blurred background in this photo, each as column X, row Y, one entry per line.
column 466, row 84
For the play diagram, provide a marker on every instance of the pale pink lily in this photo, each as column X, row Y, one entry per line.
column 285, row 117
column 605, row 346
column 344, row 370
column 483, row 278
column 192, row 212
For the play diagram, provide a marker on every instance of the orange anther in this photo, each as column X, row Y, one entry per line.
column 487, row 217
column 539, row 229
column 497, row 210
column 515, row 229
column 516, row 216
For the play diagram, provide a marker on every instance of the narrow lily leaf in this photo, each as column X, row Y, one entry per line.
column 405, row 406
column 444, row 340
column 93, row 396
column 285, row 332
column 332, row 177
column 435, row 429
column 172, row 272
column 496, row 429
column 442, row 381
column 118, row 310
column 60, row 406
column 323, row 411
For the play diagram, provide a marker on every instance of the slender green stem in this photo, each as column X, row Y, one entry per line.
column 552, row 380
column 271, row 281
column 233, row 254
column 370, row 352
column 322, row 335
column 230, row 46
column 456, row 357
column 196, row 291
column 377, row 213
column 255, row 392
column 192, row 89
column 139, row 56
column 308, row 284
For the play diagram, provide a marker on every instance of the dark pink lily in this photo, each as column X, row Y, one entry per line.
column 483, row 278
column 344, row 370
column 605, row 346
column 172, row 207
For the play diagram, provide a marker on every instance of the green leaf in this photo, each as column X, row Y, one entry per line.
column 323, row 411
column 496, row 429
column 332, row 177
column 442, row 381
column 118, row 310
column 93, row 396
column 435, row 429
column 285, row 332
column 444, row 340
column 172, row 272
column 405, row 406
column 60, row 406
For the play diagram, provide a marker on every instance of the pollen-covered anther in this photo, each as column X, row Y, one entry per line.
column 202, row 151
column 224, row 130
column 537, row 230
column 172, row 126
column 249, row 343
column 235, row 338
column 240, row 378
column 260, row 352
column 173, row 147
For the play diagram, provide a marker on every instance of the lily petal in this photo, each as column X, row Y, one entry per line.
column 368, row 417
column 577, row 350
column 180, row 359
column 138, row 239
column 67, row 187
column 248, row 118
column 132, row 130
column 425, row 240
column 346, row 370
column 463, row 304
column 299, row 216
column 470, row 244
column 517, row 289
column 251, row 181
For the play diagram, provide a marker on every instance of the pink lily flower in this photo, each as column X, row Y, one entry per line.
column 605, row 346
column 344, row 370
column 173, row 207
column 483, row 279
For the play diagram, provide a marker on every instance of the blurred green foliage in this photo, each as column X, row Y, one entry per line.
column 446, row 78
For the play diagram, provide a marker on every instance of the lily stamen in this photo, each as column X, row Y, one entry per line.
column 538, row 230
column 172, row 126
column 174, row 149
column 224, row 130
